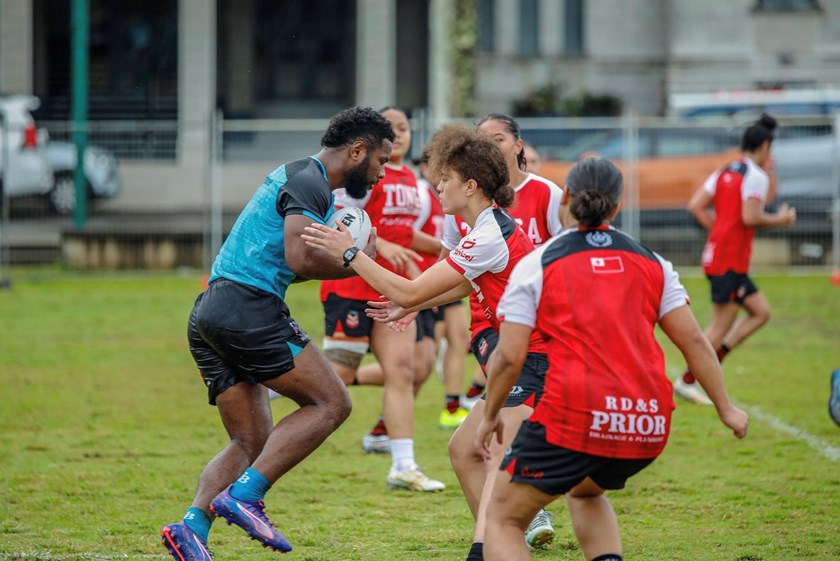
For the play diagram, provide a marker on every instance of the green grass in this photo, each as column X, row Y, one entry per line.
column 104, row 428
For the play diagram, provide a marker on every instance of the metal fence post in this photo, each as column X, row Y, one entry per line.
column 835, row 207
column 630, row 222
column 5, row 160
column 216, row 189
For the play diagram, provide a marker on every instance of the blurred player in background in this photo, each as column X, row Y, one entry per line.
column 393, row 206
column 606, row 406
column 243, row 338
column 731, row 206
column 533, row 161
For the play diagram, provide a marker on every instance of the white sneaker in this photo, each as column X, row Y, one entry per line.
column 691, row 392
column 413, row 480
column 469, row 402
column 376, row 444
column 540, row 532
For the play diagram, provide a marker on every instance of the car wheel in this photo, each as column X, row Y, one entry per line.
column 62, row 198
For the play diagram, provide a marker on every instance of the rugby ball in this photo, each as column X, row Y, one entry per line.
column 356, row 220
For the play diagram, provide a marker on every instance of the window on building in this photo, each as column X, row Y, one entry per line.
column 529, row 27
column 787, row 5
column 573, row 27
column 133, row 58
column 486, row 25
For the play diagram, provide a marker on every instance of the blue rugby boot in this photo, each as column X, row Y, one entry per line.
column 834, row 400
column 250, row 517
column 183, row 543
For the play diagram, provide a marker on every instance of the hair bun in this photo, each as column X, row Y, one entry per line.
column 767, row 121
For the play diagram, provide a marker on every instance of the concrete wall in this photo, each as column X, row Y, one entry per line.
column 16, row 48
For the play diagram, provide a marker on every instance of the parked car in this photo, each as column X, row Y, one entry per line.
column 24, row 170
column 101, row 173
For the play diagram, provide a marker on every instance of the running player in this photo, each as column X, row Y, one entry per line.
column 243, row 338
column 731, row 206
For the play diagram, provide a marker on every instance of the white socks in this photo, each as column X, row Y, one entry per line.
column 402, row 454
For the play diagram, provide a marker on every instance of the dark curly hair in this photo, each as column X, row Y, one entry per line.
column 758, row 133
column 357, row 123
column 472, row 156
column 595, row 186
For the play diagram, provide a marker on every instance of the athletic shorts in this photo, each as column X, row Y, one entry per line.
column 239, row 333
column 555, row 470
column 440, row 311
column 731, row 287
column 528, row 388
column 346, row 319
column 483, row 344
column 426, row 320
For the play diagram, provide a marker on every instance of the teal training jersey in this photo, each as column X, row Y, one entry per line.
column 254, row 252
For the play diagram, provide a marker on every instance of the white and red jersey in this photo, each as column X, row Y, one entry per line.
column 536, row 209
column 595, row 296
column 393, row 206
column 729, row 245
column 486, row 257
column 430, row 219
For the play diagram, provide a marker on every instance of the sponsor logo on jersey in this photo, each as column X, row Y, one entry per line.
column 625, row 419
column 599, row 239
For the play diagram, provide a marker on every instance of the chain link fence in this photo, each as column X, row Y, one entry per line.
column 181, row 185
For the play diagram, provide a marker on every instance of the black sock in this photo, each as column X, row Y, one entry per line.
column 722, row 352
column 609, row 557
column 476, row 552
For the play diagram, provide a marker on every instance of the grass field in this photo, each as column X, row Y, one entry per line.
column 104, row 428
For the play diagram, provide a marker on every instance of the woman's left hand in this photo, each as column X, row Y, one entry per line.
column 332, row 242
column 484, row 435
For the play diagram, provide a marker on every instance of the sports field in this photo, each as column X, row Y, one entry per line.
column 104, row 428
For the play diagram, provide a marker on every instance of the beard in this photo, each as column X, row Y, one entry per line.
column 357, row 182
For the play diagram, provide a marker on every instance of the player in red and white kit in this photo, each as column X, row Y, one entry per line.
column 393, row 208
column 595, row 295
column 473, row 185
column 537, row 210
column 736, row 194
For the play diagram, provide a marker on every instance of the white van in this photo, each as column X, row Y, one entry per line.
column 24, row 168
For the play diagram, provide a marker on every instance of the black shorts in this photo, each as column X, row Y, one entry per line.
column 483, row 344
column 426, row 320
column 731, row 287
column 239, row 333
column 528, row 388
column 347, row 318
column 555, row 470
column 440, row 311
